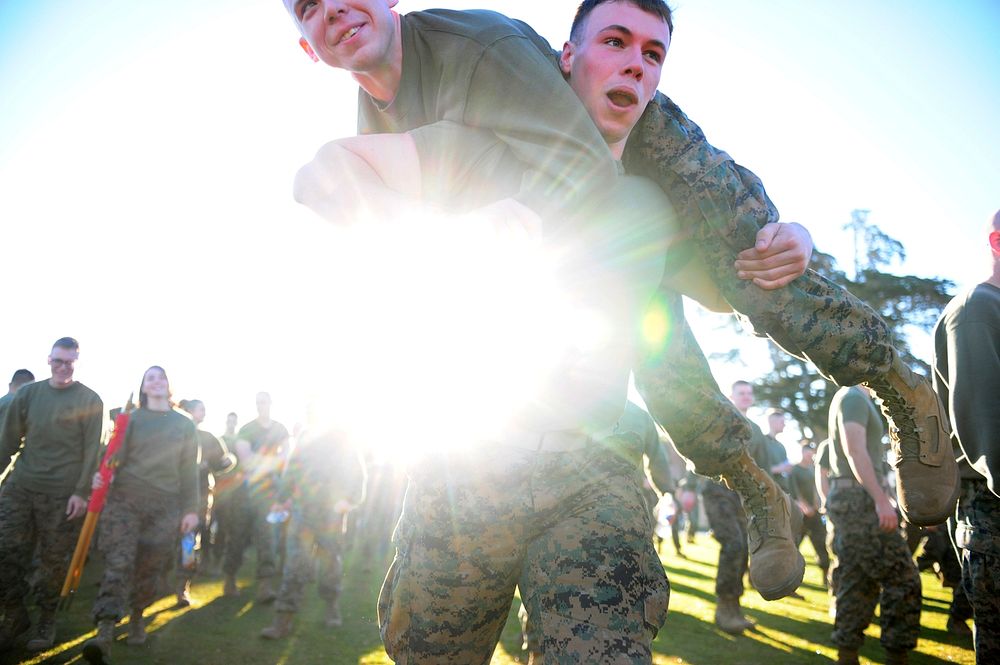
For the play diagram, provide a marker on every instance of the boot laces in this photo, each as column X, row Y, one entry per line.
column 903, row 429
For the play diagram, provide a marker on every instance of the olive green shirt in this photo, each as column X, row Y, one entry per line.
column 58, row 433
column 486, row 71
column 159, row 457
column 803, row 485
column 853, row 405
column 322, row 471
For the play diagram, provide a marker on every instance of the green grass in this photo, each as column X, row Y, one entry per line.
column 221, row 631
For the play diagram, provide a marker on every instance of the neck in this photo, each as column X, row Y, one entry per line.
column 382, row 83
column 58, row 384
column 995, row 279
column 157, row 404
column 264, row 420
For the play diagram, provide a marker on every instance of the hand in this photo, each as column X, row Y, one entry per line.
column 75, row 507
column 687, row 500
column 806, row 509
column 512, row 219
column 888, row 521
column 98, row 481
column 189, row 522
column 781, row 254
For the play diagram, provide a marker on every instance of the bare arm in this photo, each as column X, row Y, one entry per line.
column 853, row 434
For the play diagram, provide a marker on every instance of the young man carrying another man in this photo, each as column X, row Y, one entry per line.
column 428, row 73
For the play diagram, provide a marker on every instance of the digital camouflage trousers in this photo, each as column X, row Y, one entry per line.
column 870, row 568
column 722, row 206
column 33, row 522
column 314, row 544
column 729, row 526
column 569, row 528
column 138, row 540
column 978, row 534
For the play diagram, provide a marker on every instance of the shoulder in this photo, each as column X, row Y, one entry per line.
column 86, row 394
column 478, row 26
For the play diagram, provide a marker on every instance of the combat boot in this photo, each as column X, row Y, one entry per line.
column 897, row 657
column 229, row 588
column 332, row 618
column 959, row 628
column 97, row 648
column 847, row 657
column 280, row 628
column 184, row 593
column 729, row 617
column 136, row 630
column 776, row 565
column 920, row 438
column 45, row 633
column 16, row 621
column 265, row 591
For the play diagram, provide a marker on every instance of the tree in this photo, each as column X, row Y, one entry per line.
column 904, row 301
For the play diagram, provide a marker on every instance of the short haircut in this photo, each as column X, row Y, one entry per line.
column 231, row 414
column 190, row 405
column 22, row 376
column 741, row 382
column 657, row 7
column 66, row 343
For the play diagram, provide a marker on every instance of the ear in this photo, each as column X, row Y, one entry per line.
column 995, row 242
column 566, row 58
column 393, row 3
column 308, row 49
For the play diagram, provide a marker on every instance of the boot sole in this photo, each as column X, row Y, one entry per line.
column 787, row 587
column 932, row 519
column 93, row 655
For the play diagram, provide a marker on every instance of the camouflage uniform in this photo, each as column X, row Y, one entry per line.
column 570, row 529
column 138, row 540
column 723, row 205
column 978, row 534
column 28, row 519
column 871, row 567
column 319, row 474
column 729, row 526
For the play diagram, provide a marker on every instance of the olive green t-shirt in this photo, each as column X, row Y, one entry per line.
column 486, row 71
column 803, row 485
column 853, row 405
column 159, row 457
column 58, row 433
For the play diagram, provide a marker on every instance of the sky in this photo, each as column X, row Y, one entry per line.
column 147, row 152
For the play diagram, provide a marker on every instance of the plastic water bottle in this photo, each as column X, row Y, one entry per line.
column 277, row 517
column 189, row 552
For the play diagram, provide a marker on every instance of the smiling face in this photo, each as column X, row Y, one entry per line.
column 155, row 384
column 614, row 66
column 62, row 362
column 354, row 35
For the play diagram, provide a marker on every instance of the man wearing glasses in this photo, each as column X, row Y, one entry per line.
column 56, row 426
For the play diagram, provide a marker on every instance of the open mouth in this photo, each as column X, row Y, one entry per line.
column 623, row 98
column 350, row 33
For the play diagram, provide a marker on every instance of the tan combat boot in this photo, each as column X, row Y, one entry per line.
column 229, row 588
column 920, row 439
column 729, row 617
column 45, row 633
column 332, row 618
column 847, row 657
column 97, row 648
column 280, row 628
column 136, row 630
column 776, row 565
column 265, row 591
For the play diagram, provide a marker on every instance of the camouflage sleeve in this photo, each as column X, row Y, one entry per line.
column 12, row 429
column 659, row 465
column 703, row 182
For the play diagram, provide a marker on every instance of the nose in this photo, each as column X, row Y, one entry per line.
column 633, row 64
column 333, row 9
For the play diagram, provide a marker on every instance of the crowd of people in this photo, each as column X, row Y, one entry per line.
column 472, row 113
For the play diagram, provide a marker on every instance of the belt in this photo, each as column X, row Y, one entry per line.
column 851, row 482
column 553, row 441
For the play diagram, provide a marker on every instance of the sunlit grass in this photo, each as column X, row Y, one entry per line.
column 221, row 631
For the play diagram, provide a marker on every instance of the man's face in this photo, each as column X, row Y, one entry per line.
column 263, row 405
column 62, row 362
column 616, row 66
column 231, row 421
column 742, row 396
column 777, row 422
column 354, row 35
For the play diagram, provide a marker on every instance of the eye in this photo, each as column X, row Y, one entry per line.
column 614, row 41
column 655, row 56
column 306, row 7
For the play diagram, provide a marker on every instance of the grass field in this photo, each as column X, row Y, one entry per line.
column 223, row 631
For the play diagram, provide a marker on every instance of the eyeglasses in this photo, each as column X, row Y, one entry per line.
column 59, row 362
